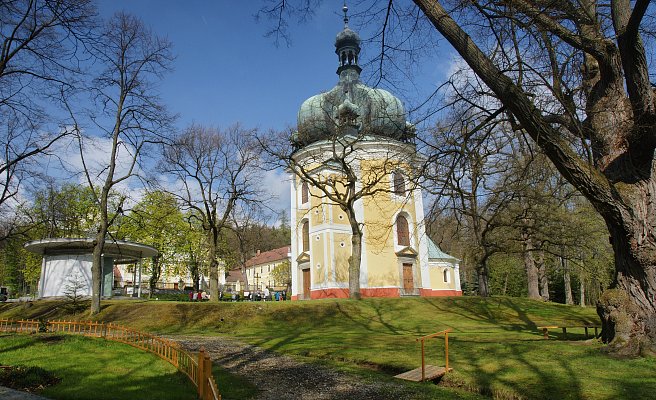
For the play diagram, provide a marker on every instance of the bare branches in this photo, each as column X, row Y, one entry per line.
column 217, row 175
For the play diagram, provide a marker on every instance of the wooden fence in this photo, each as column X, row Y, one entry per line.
column 197, row 368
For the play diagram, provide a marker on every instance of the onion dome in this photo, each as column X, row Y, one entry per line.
column 351, row 107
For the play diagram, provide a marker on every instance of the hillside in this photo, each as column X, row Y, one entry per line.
column 495, row 347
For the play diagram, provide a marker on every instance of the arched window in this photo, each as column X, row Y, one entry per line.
column 399, row 183
column 402, row 231
column 306, row 236
column 446, row 276
column 305, row 193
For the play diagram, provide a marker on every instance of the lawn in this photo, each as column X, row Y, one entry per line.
column 495, row 346
column 89, row 368
column 95, row 368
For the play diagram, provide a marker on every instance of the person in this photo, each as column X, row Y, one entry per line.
column 266, row 293
column 191, row 295
column 199, row 295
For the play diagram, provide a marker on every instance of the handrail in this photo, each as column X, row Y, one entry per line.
column 446, row 350
column 199, row 371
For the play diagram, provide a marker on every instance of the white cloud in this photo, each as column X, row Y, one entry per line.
column 276, row 183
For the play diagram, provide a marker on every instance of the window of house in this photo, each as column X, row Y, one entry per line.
column 399, row 183
column 446, row 276
column 305, row 193
column 306, row 236
column 402, row 231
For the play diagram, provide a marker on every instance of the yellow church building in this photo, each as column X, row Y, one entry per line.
column 355, row 138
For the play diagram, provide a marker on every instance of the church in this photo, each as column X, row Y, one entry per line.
column 354, row 139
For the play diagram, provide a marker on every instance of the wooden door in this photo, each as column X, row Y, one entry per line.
column 306, row 284
column 408, row 280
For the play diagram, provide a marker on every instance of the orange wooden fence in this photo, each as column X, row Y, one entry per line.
column 197, row 368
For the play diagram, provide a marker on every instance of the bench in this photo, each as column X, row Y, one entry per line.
column 545, row 329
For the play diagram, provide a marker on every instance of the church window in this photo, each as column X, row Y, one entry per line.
column 305, row 193
column 399, row 183
column 402, row 231
column 306, row 236
column 446, row 276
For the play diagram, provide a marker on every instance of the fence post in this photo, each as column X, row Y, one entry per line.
column 201, row 372
column 423, row 361
column 446, row 351
column 207, row 371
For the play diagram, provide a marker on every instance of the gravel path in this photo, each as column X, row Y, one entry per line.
column 281, row 377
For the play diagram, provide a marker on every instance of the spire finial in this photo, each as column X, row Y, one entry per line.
column 345, row 10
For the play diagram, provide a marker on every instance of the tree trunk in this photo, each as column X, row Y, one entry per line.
column 155, row 272
column 98, row 248
column 543, row 276
column 628, row 309
column 529, row 265
column 483, row 275
column 582, row 290
column 356, row 256
column 567, row 280
column 96, row 272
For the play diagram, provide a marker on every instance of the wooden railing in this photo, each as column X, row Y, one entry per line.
column 446, row 351
column 198, row 369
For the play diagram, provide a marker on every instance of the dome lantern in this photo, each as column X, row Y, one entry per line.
column 347, row 47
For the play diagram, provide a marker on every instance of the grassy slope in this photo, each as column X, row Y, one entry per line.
column 91, row 369
column 494, row 348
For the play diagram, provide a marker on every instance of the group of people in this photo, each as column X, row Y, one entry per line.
column 264, row 295
column 198, row 296
column 258, row 295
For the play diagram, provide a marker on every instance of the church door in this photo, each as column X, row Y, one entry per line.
column 408, row 280
column 306, row 284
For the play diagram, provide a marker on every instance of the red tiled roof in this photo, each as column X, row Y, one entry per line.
column 269, row 256
column 235, row 275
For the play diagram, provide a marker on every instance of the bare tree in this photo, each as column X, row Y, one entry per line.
column 470, row 178
column 218, row 174
column 129, row 114
column 39, row 64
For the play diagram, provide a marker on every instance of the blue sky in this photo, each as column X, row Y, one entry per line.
column 227, row 71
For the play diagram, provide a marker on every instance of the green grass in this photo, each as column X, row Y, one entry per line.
column 97, row 369
column 495, row 347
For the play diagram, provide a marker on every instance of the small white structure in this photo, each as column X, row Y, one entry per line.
column 67, row 264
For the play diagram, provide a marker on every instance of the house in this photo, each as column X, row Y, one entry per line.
column 259, row 269
column 235, row 281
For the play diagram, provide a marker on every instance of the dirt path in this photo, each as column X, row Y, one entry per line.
column 281, row 377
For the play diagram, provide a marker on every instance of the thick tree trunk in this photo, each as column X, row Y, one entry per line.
column 483, row 275
column 543, row 277
column 356, row 257
column 582, row 290
column 96, row 272
column 569, row 299
column 214, row 266
column 154, row 275
column 628, row 309
column 531, row 269
column 97, row 262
